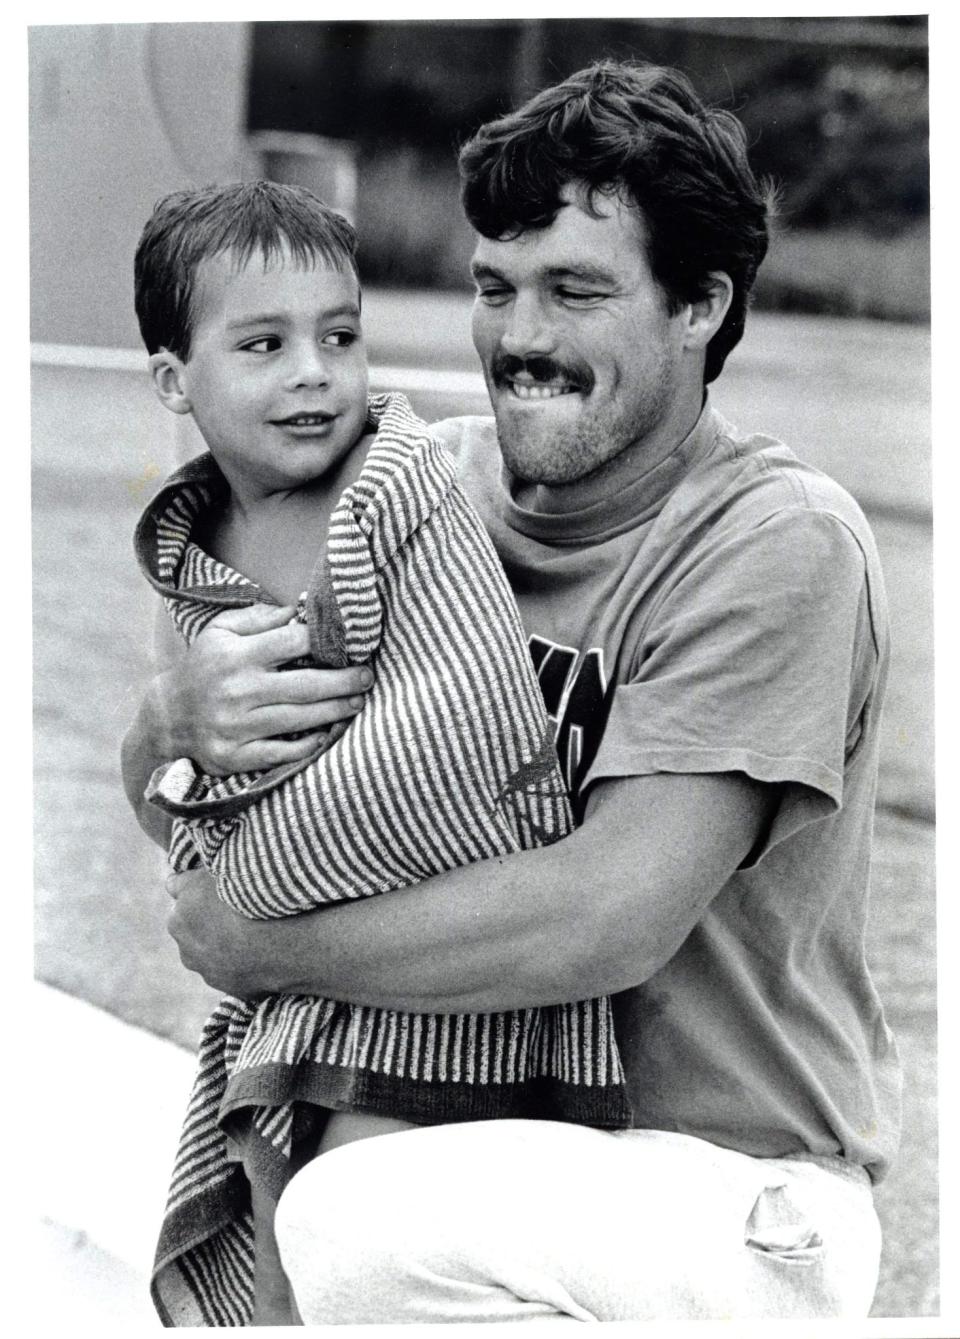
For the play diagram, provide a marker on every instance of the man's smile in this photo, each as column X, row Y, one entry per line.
column 539, row 390
column 539, row 378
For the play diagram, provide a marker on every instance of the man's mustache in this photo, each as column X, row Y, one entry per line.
column 506, row 366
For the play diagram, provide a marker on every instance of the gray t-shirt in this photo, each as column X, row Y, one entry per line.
column 724, row 612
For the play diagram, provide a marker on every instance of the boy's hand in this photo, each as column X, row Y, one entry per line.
column 224, row 701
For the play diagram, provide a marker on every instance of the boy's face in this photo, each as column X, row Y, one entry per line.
column 277, row 374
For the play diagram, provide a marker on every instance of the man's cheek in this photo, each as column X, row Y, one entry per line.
column 485, row 338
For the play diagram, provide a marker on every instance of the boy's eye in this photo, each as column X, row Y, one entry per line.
column 262, row 344
column 341, row 339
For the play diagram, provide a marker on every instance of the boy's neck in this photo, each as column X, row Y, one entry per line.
column 246, row 506
column 275, row 538
column 246, row 500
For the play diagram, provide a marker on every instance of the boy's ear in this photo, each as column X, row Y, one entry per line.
column 705, row 317
column 169, row 382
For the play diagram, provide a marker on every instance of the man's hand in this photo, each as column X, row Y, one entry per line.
column 214, row 941
column 224, row 701
column 221, row 701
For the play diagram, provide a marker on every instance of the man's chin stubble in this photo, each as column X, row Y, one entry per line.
column 546, row 455
column 537, row 471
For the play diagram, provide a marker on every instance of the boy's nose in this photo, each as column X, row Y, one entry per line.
column 309, row 367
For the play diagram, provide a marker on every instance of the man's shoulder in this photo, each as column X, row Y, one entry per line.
column 799, row 525
column 761, row 476
column 466, row 432
column 472, row 442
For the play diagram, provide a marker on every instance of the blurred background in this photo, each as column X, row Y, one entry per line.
column 370, row 114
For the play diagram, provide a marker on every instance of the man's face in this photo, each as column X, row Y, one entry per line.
column 581, row 356
column 277, row 374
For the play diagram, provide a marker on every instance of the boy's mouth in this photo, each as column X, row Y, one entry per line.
column 304, row 420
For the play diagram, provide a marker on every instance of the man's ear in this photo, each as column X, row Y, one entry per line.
column 705, row 317
column 169, row 382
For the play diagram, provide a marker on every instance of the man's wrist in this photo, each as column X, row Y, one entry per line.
column 274, row 962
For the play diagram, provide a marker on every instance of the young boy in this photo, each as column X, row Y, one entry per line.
column 318, row 497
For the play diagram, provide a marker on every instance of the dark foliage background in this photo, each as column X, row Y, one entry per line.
column 836, row 111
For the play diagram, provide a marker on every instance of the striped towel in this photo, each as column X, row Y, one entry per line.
column 450, row 762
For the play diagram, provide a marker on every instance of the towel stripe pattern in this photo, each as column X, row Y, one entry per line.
column 450, row 762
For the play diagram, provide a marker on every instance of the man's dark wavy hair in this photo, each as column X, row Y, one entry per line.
column 640, row 132
column 243, row 218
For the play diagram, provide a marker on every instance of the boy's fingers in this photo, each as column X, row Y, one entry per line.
column 275, row 646
column 253, row 619
column 197, row 877
column 274, row 640
column 174, row 883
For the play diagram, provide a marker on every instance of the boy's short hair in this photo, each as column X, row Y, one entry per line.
column 187, row 227
column 640, row 132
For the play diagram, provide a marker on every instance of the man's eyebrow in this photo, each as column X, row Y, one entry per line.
column 349, row 309
column 585, row 273
column 480, row 270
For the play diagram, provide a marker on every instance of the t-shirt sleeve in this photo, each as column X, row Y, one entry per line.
column 761, row 659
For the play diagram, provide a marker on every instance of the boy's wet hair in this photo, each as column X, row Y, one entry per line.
column 243, row 218
column 641, row 133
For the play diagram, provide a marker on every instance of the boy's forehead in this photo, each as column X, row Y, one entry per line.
column 229, row 278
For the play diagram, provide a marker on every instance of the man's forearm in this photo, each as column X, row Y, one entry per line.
column 141, row 752
column 541, row 927
column 594, row 914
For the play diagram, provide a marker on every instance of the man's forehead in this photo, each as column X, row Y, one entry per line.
column 586, row 234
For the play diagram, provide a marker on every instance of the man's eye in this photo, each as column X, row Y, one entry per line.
column 341, row 339
column 493, row 297
column 582, row 296
column 263, row 344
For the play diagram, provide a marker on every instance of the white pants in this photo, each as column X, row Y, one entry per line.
column 515, row 1220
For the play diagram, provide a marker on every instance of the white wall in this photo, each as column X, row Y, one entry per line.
column 120, row 114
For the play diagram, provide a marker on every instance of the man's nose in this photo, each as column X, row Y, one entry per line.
column 527, row 330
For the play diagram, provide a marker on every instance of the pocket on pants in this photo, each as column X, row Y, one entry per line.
column 780, row 1226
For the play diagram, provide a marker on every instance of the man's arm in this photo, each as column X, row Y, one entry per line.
column 223, row 700
column 143, row 746
column 593, row 914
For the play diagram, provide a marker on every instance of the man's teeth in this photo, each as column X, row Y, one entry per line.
column 307, row 420
column 538, row 390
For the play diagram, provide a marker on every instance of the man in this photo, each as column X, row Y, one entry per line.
column 707, row 618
